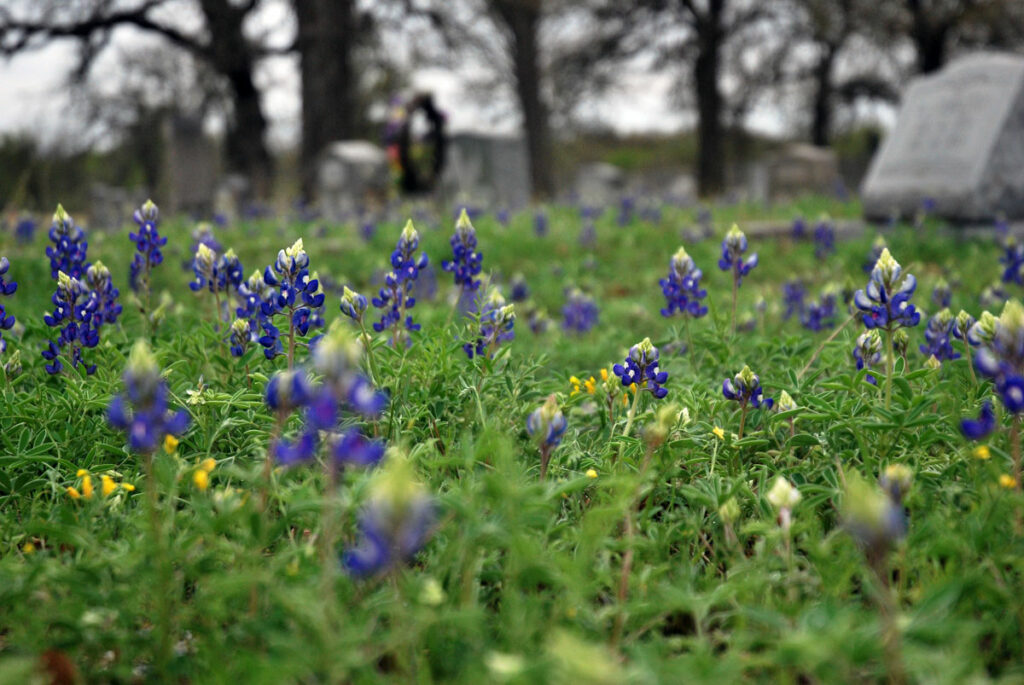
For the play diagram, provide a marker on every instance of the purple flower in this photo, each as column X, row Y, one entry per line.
column 885, row 302
column 745, row 388
column 641, row 367
column 733, row 248
column 141, row 411
column 580, row 313
column 681, row 287
column 976, row 429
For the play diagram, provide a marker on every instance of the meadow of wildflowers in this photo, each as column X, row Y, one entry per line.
column 338, row 470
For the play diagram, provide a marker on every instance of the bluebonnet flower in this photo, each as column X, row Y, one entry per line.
column 395, row 297
column 821, row 314
column 1012, row 261
column 824, row 237
column 937, row 336
column 252, row 294
column 202, row 234
column 942, row 294
column 503, row 217
column 641, row 367
column 295, row 296
column 353, row 305
column 681, row 287
column 793, row 294
column 885, row 303
column 367, row 230
column 241, row 337
column 497, row 321
column 1001, row 356
column 580, row 313
column 286, row 392
column 229, row 273
column 874, row 515
column 466, row 262
column 745, row 388
column 537, row 319
column 97, row 280
column 68, row 252
column 867, row 352
column 976, row 429
column 546, row 424
column 519, row 290
column 799, row 228
column 626, row 206
column 733, row 247
column 142, row 410
column 993, row 295
column 148, row 255
column 540, row 223
column 7, row 288
column 395, row 523
column 588, row 235
column 25, row 230
column 73, row 310
column 204, row 266
column 962, row 326
column 876, row 251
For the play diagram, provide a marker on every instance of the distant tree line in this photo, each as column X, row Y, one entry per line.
column 818, row 60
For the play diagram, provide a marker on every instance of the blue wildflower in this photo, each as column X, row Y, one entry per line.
column 942, row 294
column 885, row 303
column 976, row 429
column 867, row 352
column 641, row 367
column 141, row 411
column 580, row 313
column 733, row 247
column 74, row 308
column 546, row 424
column 793, row 294
column 540, row 223
column 821, row 314
column 1001, row 356
column 466, row 262
column 497, row 321
column 7, row 288
column 519, row 290
column 25, row 230
column 68, row 252
column 395, row 523
column 799, row 228
column 148, row 255
column 395, row 298
column 294, row 295
column 241, row 337
column 824, row 237
column 937, row 336
column 745, row 388
column 97, row 280
column 353, row 305
column 681, row 287
column 1012, row 261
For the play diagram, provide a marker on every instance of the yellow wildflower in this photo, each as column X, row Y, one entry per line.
column 604, row 374
column 28, row 547
column 1007, row 481
column 80, row 473
column 632, row 386
column 201, row 479
column 73, row 493
column 208, row 464
column 575, row 385
column 591, row 473
column 719, row 433
column 128, row 486
column 87, row 489
column 108, row 485
column 591, row 385
column 170, row 444
column 982, row 452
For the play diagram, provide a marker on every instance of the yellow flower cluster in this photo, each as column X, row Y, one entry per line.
column 108, row 486
column 201, row 476
column 590, row 385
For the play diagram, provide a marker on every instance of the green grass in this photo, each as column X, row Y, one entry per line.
column 520, row 581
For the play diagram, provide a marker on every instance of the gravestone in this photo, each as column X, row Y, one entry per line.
column 190, row 169
column 352, row 176
column 958, row 142
column 799, row 169
column 487, row 171
column 599, row 184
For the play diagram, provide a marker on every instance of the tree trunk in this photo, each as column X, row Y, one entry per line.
column 231, row 55
column 821, row 126
column 327, row 30
column 710, row 164
column 522, row 17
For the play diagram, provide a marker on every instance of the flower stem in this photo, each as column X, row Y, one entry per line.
column 735, row 288
column 368, row 346
column 1015, row 448
column 163, row 579
column 970, row 360
column 291, row 341
column 743, row 420
column 890, row 360
column 629, row 418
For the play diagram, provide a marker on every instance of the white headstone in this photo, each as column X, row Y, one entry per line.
column 958, row 141
column 491, row 171
column 352, row 175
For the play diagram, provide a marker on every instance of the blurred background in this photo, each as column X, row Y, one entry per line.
column 218, row 105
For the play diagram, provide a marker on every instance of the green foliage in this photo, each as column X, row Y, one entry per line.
column 522, row 580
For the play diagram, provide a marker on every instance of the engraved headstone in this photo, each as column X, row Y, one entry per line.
column 489, row 171
column 958, row 143
column 352, row 176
